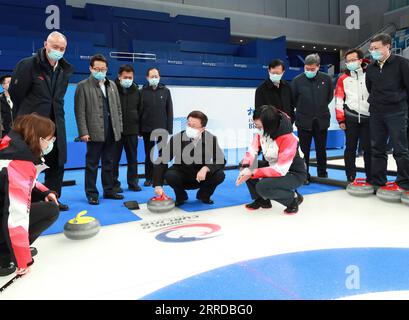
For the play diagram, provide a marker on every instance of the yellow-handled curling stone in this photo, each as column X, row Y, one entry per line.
column 161, row 204
column 81, row 227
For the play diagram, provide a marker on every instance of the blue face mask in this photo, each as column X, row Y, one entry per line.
column 376, row 55
column 49, row 148
column 154, row 82
column 275, row 78
column 99, row 75
column 310, row 74
column 126, row 83
column 55, row 55
column 353, row 66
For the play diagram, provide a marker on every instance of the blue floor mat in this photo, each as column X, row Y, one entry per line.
column 114, row 212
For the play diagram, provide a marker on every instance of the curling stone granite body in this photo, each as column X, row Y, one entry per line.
column 160, row 205
column 81, row 228
column 360, row 189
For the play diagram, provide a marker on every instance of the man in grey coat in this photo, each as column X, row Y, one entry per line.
column 99, row 120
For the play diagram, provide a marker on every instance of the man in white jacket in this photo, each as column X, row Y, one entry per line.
column 352, row 109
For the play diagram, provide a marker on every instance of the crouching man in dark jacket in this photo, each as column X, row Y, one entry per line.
column 198, row 162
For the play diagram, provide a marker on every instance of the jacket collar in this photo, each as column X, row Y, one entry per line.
column 270, row 83
column 357, row 74
column 43, row 62
column 17, row 149
column 96, row 82
column 147, row 86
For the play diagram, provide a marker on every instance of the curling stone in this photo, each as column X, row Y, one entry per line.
column 161, row 204
column 390, row 193
column 81, row 228
column 360, row 188
column 405, row 198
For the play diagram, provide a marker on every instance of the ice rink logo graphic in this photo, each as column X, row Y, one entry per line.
column 189, row 233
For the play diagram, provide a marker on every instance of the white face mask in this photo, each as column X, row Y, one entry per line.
column 50, row 146
column 192, row 133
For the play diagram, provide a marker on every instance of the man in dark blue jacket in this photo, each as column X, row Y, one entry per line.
column 387, row 80
column 156, row 113
column 130, row 103
column 313, row 93
column 39, row 84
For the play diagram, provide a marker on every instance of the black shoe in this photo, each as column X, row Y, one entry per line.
column 63, row 207
column 7, row 270
column 119, row 190
column 181, row 201
column 33, row 251
column 300, row 198
column 147, row 183
column 93, row 201
column 178, row 203
column 135, row 188
column 205, row 200
column 113, row 196
column 259, row 203
column 293, row 207
column 351, row 179
column 323, row 175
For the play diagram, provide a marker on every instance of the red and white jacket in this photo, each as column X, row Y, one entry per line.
column 282, row 153
column 18, row 179
column 351, row 91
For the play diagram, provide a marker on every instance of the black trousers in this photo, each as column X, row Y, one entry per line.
column 357, row 132
column 393, row 125
column 42, row 216
column 320, row 139
column 104, row 151
column 130, row 144
column 54, row 176
column 181, row 180
column 148, row 146
column 280, row 189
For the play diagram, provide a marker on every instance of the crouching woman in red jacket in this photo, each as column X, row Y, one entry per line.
column 281, row 171
column 22, row 220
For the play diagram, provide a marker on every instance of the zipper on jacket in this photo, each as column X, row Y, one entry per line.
column 359, row 104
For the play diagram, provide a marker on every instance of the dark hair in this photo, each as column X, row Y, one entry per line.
column 257, row 112
column 276, row 63
column 98, row 57
column 383, row 37
column 32, row 127
column 4, row 77
column 150, row 69
column 270, row 118
column 126, row 68
column 357, row 51
column 199, row 115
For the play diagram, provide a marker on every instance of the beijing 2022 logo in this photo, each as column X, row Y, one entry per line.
column 189, row 233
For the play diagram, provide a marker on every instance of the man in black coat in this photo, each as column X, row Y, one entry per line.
column 313, row 92
column 39, row 84
column 156, row 113
column 387, row 81
column 275, row 91
column 6, row 105
column 198, row 162
column 130, row 103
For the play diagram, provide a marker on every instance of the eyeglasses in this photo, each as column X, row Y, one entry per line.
column 352, row 60
column 100, row 69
